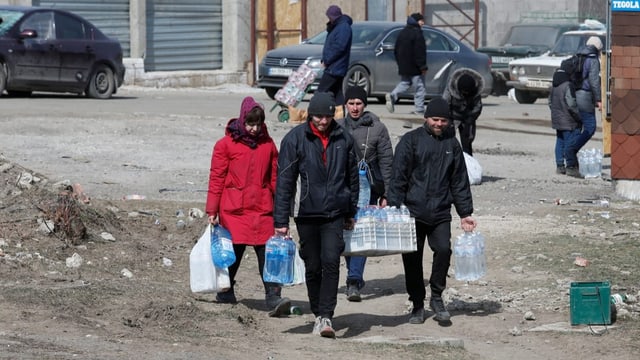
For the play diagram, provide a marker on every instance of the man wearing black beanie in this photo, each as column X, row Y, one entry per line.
column 317, row 185
column 429, row 175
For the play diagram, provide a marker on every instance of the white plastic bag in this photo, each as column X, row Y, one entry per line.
column 474, row 170
column 298, row 270
column 204, row 276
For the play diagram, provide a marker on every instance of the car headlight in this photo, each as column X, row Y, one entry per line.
column 314, row 63
column 517, row 71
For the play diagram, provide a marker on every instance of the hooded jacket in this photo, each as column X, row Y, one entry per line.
column 306, row 187
column 372, row 137
column 562, row 103
column 590, row 92
column 429, row 175
column 242, row 181
column 337, row 46
column 411, row 49
column 463, row 109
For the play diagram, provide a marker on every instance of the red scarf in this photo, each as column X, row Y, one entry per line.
column 324, row 138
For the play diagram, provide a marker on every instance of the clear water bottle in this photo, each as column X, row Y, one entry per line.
column 405, row 215
column 279, row 259
column 469, row 257
column 364, row 196
column 222, row 247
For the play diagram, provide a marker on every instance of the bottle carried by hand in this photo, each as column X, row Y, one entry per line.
column 469, row 258
column 222, row 247
column 279, row 256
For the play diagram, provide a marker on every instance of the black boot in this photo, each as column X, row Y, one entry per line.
column 279, row 306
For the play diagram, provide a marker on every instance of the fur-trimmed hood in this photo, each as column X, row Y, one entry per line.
column 453, row 83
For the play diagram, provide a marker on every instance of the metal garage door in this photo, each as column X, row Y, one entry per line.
column 111, row 17
column 184, row 35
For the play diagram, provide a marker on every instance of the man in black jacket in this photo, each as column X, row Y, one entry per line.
column 411, row 55
column 429, row 175
column 318, row 157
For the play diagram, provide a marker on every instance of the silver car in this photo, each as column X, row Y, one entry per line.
column 372, row 62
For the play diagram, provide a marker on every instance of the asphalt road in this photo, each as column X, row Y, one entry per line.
column 157, row 142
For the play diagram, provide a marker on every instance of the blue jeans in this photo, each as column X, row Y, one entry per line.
column 588, row 129
column 565, row 143
column 405, row 83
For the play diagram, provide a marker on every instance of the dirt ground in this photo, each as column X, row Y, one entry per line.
column 112, row 280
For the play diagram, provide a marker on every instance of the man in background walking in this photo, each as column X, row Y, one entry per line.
column 411, row 55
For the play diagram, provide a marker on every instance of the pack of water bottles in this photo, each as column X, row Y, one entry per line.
column 468, row 256
column 590, row 163
column 381, row 231
column 296, row 87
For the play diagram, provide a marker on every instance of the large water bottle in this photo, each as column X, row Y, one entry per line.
column 222, row 247
column 469, row 257
column 279, row 256
column 364, row 196
column 461, row 259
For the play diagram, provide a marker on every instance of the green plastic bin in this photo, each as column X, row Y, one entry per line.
column 590, row 303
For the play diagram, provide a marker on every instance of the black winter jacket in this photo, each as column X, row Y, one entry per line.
column 562, row 103
column 466, row 110
column 411, row 50
column 306, row 187
column 429, row 175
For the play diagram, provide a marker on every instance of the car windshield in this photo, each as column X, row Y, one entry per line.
column 532, row 35
column 360, row 35
column 569, row 44
column 8, row 19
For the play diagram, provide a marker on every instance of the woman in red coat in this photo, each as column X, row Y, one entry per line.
column 241, row 186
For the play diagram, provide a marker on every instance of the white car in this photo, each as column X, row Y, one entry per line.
column 531, row 77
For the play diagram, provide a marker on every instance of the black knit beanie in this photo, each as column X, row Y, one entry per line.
column 322, row 103
column 438, row 107
column 355, row 92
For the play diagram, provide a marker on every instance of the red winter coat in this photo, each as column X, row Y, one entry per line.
column 242, row 182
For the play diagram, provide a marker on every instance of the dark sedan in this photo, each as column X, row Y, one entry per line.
column 372, row 63
column 54, row 50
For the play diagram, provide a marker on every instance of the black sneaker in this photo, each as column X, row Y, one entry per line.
column 561, row 170
column 437, row 305
column 417, row 316
column 281, row 308
column 226, row 297
column 573, row 172
column 353, row 293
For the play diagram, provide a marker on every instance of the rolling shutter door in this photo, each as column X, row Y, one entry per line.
column 184, row 35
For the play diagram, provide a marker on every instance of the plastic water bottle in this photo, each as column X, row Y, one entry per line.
column 405, row 215
column 470, row 261
column 279, row 258
column 222, row 247
column 364, row 196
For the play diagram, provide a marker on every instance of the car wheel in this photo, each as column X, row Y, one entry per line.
column 3, row 78
column 271, row 92
column 525, row 97
column 102, row 84
column 357, row 76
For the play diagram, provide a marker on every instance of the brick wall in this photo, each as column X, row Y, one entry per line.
column 625, row 96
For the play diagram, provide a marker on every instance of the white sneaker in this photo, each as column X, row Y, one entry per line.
column 326, row 329
column 389, row 102
column 317, row 326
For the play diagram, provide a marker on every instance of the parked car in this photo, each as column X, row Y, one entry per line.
column 53, row 50
column 532, row 77
column 372, row 63
column 522, row 40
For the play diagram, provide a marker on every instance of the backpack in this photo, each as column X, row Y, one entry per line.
column 575, row 67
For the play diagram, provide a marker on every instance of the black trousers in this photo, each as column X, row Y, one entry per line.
column 467, row 135
column 259, row 250
column 321, row 244
column 333, row 84
column 439, row 240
